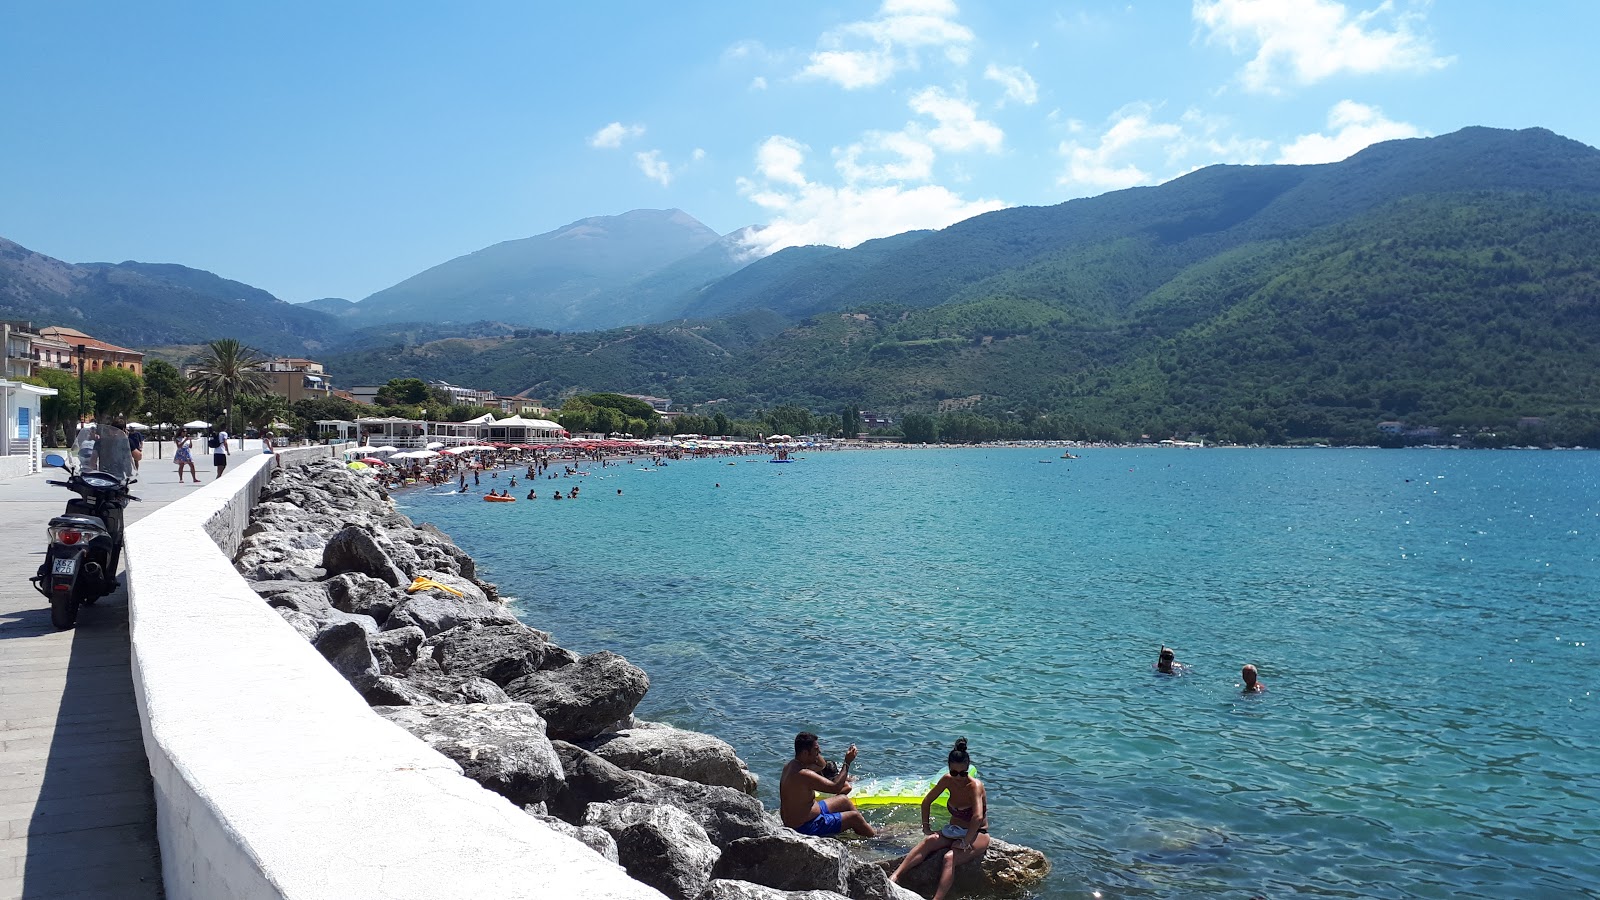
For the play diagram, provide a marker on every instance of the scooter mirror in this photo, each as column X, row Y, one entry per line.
column 55, row 461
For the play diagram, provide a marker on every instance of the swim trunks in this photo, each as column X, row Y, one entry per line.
column 823, row 823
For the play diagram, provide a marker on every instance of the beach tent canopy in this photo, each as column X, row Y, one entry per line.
column 197, row 424
column 386, row 449
column 138, row 426
column 434, row 445
column 361, row 449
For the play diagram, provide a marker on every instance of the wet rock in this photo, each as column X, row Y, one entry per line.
column 580, row 699
column 788, row 861
column 1004, row 870
column 501, row 746
column 664, row 750
column 353, row 549
column 658, row 845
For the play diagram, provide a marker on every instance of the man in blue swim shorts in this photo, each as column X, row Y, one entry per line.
column 798, row 787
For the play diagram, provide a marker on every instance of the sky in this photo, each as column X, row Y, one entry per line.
column 334, row 149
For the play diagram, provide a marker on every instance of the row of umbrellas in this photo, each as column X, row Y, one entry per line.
column 140, row 426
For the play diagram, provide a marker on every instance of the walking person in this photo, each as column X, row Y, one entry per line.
column 136, row 447
column 184, row 456
column 218, row 442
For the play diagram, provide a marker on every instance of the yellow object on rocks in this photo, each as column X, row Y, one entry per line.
column 422, row 584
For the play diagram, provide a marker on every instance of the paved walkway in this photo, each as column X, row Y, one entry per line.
column 78, row 818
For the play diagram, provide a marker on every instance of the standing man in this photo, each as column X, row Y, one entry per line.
column 219, row 450
column 136, row 446
column 798, row 787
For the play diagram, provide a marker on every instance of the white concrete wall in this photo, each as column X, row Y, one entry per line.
column 15, row 466
column 273, row 779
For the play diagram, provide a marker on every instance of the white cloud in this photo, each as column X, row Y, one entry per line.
column 1017, row 83
column 1353, row 126
column 698, row 154
column 654, row 167
column 959, row 127
column 1307, row 41
column 903, row 158
column 806, row 212
column 1136, row 148
column 612, row 136
column 758, row 83
column 867, row 53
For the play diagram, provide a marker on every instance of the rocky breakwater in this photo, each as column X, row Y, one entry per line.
column 399, row 611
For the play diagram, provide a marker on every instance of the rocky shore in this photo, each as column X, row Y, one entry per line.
column 549, row 729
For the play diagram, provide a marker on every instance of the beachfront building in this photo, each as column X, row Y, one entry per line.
column 517, row 430
column 461, row 396
column 519, row 406
column 296, row 379
column 416, row 434
column 21, row 445
column 393, row 431
column 659, row 404
column 337, row 431
column 16, row 340
column 96, row 354
column 51, row 353
column 366, row 394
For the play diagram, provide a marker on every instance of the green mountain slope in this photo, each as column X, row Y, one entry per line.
column 568, row 278
column 144, row 304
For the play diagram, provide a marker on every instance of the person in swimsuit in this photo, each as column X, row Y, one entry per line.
column 1167, row 663
column 798, row 787
column 966, row 837
column 184, row 456
column 1252, row 684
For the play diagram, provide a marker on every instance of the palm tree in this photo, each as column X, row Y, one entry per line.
column 230, row 369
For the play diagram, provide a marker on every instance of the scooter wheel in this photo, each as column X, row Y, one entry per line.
column 63, row 610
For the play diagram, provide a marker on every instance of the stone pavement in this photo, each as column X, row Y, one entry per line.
column 78, row 814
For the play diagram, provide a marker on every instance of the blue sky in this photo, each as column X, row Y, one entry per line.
column 333, row 149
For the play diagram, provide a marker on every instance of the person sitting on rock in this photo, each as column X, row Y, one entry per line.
column 798, row 787
column 967, row 835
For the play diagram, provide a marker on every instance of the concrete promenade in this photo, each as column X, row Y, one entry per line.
column 79, row 816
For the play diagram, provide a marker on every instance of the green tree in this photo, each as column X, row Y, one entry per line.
column 62, row 412
column 260, row 411
column 229, row 369
column 118, row 392
column 403, row 392
column 723, row 426
column 849, row 421
column 165, row 398
column 919, row 428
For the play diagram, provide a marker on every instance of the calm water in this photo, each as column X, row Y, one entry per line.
column 1427, row 624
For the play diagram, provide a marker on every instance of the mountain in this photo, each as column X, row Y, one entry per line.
column 1451, row 281
column 572, row 278
column 333, row 306
column 146, row 304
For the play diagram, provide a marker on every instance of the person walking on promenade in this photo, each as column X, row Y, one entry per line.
column 967, row 836
column 218, row 442
column 798, row 786
column 184, row 455
column 136, row 447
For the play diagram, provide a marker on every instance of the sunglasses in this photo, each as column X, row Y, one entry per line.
column 960, row 774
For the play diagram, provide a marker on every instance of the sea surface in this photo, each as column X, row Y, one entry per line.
column 1427, row 624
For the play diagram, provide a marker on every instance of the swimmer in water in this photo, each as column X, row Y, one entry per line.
column 1167, row 663
column 1252, row 684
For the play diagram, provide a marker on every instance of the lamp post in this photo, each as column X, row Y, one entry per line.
column 83, row 350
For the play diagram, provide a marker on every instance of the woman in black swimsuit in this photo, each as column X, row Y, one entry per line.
column 967, row 836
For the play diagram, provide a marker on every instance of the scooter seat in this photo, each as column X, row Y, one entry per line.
column 94, row 522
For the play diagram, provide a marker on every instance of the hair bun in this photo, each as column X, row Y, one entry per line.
column 961, row 745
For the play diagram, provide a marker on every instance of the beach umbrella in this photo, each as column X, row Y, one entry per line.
column 385, row 449
column 355, row 465
column 361, row 449
column 433, row 445
column 138, row 426
column 197, row 424
column 373, row 461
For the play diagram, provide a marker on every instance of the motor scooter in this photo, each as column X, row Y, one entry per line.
column 80, row 563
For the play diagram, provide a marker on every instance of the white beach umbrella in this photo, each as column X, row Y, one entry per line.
column 138, row 426
column 434, row 445
column 197, row 424
column 386, row 449
column 361, row 449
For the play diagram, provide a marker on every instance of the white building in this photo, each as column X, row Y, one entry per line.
column 20, row 449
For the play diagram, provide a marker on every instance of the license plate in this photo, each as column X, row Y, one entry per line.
column 67, row 566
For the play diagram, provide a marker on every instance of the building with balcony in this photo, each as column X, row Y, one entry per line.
column 461, row 396
column 16, row 340
column 97, row 354
column 297, row 379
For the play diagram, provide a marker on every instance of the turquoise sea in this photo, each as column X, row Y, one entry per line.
column 1427, row 624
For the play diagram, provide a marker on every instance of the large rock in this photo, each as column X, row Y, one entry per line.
column 435, row 614
column 788, row 861
column 306, row 626
column 664, row 750
column 580, row 700
column 500, row 653
column 354, row 592
column 345, row 646
column 590, row 779
column 396, row 650
column 727, row 889
column 869, row 882
column 726, row 814
column 597, row 839
column 432, row 536
column 658, row 845
column 353, row 549
column 500, row 746
column 1004, row 870
column 310, row 599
